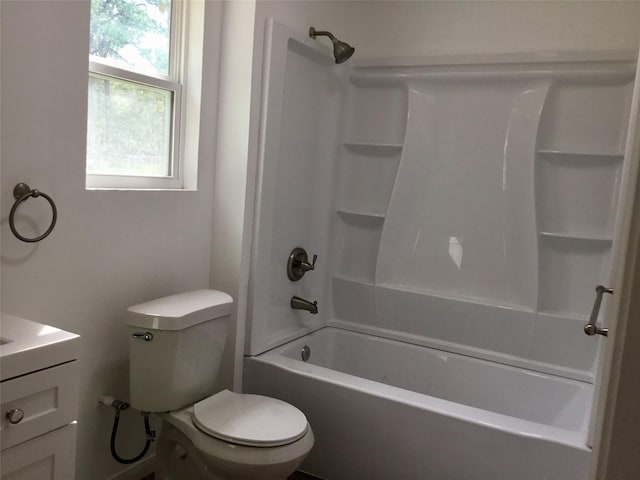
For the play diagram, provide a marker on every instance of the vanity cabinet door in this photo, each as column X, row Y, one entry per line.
column 47, row 457
column 39, row 402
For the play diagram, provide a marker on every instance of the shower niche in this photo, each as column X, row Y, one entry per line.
column 476, row 204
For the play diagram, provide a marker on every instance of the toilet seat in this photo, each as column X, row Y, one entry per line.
column 228, row 460
column 250, row 420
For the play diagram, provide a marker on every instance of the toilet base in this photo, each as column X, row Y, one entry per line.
column 177, row 458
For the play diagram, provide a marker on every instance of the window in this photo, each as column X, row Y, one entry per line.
column 135, row 121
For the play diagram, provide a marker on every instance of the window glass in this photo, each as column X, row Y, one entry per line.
column 133, row 34
column 129, row 128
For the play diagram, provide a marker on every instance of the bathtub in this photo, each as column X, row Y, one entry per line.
column 387, row 410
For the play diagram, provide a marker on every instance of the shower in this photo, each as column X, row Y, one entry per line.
column 432, row 297
column 341, row 51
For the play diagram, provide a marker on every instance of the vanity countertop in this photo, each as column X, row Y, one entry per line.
column 27, row 346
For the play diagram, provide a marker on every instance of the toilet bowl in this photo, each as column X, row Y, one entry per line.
column 185, row 450
column 175, row 347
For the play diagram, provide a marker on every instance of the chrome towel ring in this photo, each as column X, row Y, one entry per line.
column 22, row 192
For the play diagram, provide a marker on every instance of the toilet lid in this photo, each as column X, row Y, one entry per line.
column 252, row 420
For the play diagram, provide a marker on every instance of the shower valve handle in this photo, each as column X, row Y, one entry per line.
column 298, row 264
column 306, row 266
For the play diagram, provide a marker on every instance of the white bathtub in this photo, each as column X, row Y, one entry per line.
column 387, row 410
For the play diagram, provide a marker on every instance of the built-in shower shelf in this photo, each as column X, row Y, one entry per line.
column 354, row 213
column 565, row 314
column 364, row 148
column 354, row 280
column 574, row 237
column 571, row 156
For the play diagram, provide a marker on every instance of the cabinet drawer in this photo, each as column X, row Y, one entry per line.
column 48, row 398
column 50, row 456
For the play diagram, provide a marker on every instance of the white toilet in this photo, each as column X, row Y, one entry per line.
column 176, row 345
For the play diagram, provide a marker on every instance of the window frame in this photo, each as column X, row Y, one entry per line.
column 173, row 82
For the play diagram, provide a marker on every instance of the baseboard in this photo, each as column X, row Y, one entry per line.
column 137, row 471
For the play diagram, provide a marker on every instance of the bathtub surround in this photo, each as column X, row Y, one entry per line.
column 471, row 216
column 423, row 28
column 493, row 220
column 472, row 203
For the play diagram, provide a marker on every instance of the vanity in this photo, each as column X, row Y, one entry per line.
column 38, row 400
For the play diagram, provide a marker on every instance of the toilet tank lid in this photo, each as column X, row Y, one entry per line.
column 180, row 311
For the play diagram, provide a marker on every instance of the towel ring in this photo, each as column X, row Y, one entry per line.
column 22, row 192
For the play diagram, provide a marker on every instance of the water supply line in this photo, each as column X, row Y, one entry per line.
column 119, row 406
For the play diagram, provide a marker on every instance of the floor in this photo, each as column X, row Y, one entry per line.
column 294, row 476
column 302, row 476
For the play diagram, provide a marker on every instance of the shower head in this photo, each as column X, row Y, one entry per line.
column 341, row 51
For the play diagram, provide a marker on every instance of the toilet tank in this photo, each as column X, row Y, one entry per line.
column 175, row 349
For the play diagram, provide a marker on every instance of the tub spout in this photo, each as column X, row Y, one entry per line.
column 298, row 303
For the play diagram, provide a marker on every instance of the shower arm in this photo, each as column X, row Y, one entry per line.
column 313, row 33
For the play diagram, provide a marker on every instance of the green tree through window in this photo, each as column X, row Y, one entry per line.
column 133, row 94
column 121, row 30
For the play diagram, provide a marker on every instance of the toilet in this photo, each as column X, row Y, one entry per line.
column 175, row 347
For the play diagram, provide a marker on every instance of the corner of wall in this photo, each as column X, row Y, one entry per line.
column 232, row 157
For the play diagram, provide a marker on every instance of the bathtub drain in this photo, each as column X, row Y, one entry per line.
column 305, row 353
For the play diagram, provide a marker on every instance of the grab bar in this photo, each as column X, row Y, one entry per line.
column 591, row 328
column 22, row 192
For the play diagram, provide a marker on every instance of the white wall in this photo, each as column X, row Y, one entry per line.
column 391, row 28
column 110, row 249
column 416, row 28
